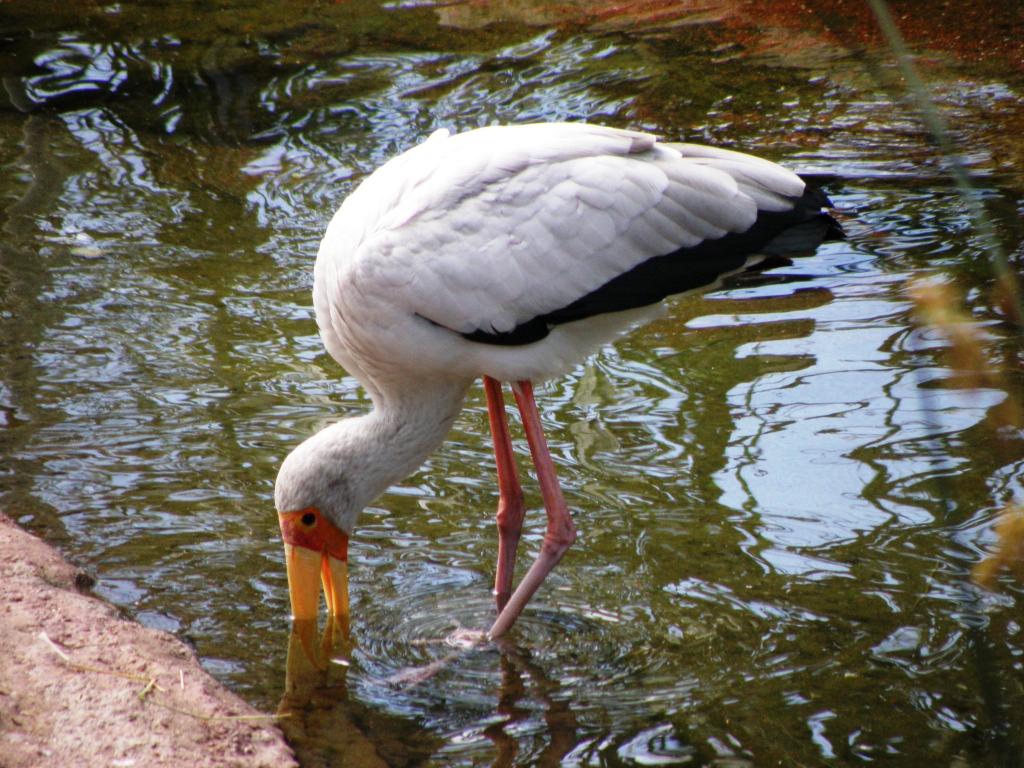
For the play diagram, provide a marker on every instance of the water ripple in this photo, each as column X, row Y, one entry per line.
column 779, row 487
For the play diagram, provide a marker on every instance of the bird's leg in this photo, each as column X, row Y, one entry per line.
column 510, row 495
column 561, row 532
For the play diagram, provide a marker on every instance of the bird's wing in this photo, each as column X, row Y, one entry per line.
column 485, row 231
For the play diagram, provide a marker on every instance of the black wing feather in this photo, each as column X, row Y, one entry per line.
column 797, row 231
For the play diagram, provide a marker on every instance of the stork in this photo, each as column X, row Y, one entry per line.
column 507, row 253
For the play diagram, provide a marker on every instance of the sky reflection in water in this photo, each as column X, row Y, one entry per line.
column 767, row 569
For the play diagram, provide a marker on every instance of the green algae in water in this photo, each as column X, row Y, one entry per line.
column 769, row 568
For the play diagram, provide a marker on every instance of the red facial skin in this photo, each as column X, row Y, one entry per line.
column 308, row 528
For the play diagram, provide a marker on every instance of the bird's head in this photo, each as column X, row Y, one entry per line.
column 326, row 482
column 317, row 511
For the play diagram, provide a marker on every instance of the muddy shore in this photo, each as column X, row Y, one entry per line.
column 82, row 686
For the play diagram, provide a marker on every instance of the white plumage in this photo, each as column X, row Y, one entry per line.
column 509, row 253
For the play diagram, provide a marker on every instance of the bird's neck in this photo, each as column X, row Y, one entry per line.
column 393, row 440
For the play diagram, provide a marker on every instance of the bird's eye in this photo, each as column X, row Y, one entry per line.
column 308, row 519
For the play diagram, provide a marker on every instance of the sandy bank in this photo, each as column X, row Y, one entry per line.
column 80, row 686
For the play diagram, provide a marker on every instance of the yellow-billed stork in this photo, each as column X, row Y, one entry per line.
column 508, row 253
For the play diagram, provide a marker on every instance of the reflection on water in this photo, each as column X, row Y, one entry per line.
column 779, row 487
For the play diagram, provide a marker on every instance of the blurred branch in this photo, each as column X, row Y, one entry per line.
column 939, row 307
column 1009, row 552
column 1008, row 294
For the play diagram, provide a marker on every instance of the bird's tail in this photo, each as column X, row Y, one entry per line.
column 810, row 225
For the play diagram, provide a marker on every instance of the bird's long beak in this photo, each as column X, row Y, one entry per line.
column 316, row 553
column 307, row 571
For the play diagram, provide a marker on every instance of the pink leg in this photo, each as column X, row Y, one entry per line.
column 561, row 532
column 510, row 495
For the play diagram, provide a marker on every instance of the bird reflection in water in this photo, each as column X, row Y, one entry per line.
column 516, row 669
column 315, row 714
column 326, row 727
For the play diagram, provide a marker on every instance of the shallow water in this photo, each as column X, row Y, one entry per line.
column 780, row 488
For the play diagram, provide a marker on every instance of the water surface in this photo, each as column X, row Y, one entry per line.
column 779, row 486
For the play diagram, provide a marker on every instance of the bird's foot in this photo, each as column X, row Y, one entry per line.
column 466, row 639
column 462, row 639
column 415, row 675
